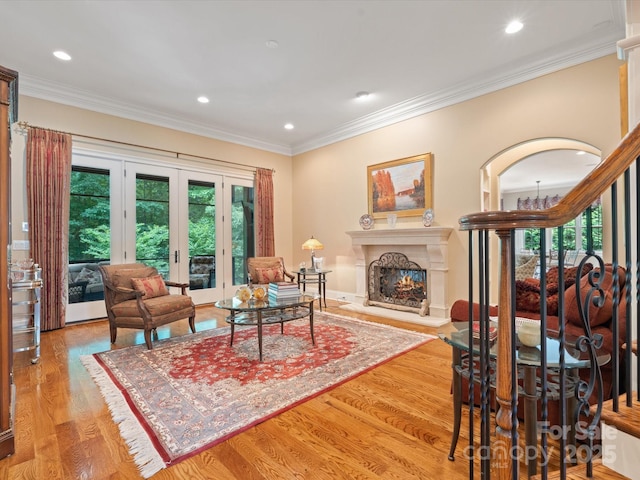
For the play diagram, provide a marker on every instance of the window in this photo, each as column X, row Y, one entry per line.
column 152, row 222
column 202, row 234
column 572, row 231
column 596, row 228
column 242, row 233
column 89, row 232
column 89, row 215
column 568, row 237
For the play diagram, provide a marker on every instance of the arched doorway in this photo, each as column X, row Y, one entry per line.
column 529, row 151
column 526, row 162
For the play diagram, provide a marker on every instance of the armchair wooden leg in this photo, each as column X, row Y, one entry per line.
column 114, row 332
column 192, row 324
column 147, row 339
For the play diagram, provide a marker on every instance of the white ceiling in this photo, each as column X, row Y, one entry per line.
column 150, row 60
column 553, row 168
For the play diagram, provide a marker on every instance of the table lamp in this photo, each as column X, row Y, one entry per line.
column 313, row 245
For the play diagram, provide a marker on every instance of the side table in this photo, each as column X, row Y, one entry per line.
column 528, row 359
column 314, row 277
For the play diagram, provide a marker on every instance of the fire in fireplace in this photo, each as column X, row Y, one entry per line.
column 396, row 282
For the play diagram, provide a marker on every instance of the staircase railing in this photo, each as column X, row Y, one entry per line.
column 500, row 455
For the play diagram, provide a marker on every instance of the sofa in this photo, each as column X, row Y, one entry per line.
column 89, row 275
column 202, row 272
column 600, row 318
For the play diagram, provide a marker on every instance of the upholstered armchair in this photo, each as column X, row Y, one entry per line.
column 263, row 270
column 136, row 296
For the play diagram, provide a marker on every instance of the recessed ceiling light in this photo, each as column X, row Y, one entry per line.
column 272, row 44
column 362, row 95
column 62, row 55
column 288, row 126
column 514, row 27
column 203, row 99
column 581, row 152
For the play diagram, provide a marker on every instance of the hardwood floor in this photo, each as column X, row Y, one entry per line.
column 393, row 422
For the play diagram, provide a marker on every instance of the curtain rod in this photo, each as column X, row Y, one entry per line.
column 24, row 126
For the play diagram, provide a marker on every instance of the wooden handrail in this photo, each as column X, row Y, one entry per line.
column 573, row 203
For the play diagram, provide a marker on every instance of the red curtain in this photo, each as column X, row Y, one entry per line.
column 48, row 185
column 265, row 238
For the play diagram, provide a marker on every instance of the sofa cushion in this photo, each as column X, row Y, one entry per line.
column 569, row 274
column 157, row 306
column 460, row 311
column 150, row 287
column 87, row 275
column 528, row 290
column 528, row 297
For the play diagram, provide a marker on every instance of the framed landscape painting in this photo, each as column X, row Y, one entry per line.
column 402, row 187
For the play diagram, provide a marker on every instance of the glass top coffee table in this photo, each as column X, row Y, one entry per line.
column 268, row 312
column 529, row 359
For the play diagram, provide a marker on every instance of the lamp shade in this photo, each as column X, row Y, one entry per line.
column 312, row 244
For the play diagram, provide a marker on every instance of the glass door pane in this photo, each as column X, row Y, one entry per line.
column 95, row 226
column 152, row 214
column 201, row 237
column 242, row 231
column 152, row 222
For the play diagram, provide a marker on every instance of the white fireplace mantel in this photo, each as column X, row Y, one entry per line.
column 429, row 247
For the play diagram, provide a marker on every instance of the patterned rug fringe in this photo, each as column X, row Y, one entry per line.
column 140, row 445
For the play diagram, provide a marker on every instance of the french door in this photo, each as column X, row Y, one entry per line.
column 188, row 224
column 199, row 251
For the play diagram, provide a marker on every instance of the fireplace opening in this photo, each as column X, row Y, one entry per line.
column 396, row 282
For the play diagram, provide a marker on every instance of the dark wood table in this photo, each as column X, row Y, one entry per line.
column 314, row 277
column 268, row 312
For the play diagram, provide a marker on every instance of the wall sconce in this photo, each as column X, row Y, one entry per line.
column 313, row 245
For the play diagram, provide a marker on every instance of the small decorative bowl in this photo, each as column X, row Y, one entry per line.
column 529, row 334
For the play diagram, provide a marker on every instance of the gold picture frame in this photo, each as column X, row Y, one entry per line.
column 401, row 187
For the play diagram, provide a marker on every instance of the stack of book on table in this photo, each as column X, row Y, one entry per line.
column 283, row 290
column 493, row 331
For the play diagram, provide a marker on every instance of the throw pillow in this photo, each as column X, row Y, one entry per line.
column 528, row 297
column 597, row 315
column 521, row 259
column 570, row 274
column 528, row 269
column 151, row 287
column 85, row 275
column 269, row 275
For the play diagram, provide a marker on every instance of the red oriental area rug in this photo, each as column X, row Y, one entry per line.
column 192, row 392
